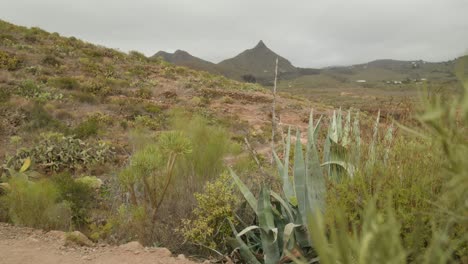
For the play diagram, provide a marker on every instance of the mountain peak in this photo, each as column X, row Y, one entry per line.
column 181, row 52
column 260, row 44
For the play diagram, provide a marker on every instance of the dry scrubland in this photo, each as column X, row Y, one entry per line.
column 124, row 148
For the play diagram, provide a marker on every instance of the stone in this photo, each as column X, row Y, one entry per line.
column 164, row 252
column 77, row 238
column 134, row 246
column 56, row 235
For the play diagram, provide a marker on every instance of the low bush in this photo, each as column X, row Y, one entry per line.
column 9, row 62
column 67, row 83
column 215, row 208
column 28, row 89
column 79, row 195
column 55, row 152
column 144, row 121
column 144, row 93
column 39, row 118
column 84, row 97
column 89, row 127
column 51, row 60
column 36, row 204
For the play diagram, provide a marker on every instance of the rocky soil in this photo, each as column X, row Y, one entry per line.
column 21, row 245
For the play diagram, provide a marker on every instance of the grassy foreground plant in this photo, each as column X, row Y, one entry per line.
column 378, row 239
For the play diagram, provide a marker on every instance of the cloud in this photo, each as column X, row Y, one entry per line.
column 309, row 33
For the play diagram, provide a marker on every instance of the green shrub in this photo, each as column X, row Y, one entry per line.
column 84, row 97
column 215, row 208
column 130, row 223
column 86, row 129
column 79, row 195
column 51, row 60
column 55, row 152
column 67, row 83
column 144, row 93
column 153, row 109
column 97, row 87
column 9, row 62
column 29, row 89
column 148, row 180
column 210, row 144
column 411, row 177
column 39, row 118
column 36, row 204
column 5, row 95
column 137, row 55
column 148, row 122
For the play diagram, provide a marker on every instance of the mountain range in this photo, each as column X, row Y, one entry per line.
column 252, row 65
column 258, row 64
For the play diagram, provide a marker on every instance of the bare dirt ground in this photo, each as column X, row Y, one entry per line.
column 20, row 245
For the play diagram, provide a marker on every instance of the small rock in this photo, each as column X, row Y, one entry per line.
column 181, row 257
column 77, row 238
column 59, row 235
column 132, row 246
column 32, row 239
column 206, row 262
column 164, row 252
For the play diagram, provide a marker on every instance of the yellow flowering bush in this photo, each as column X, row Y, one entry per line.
column 215, row 208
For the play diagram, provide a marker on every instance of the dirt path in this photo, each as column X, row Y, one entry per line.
column 25, row 245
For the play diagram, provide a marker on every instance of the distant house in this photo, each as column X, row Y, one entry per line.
column 423, row 79
column 361, row 81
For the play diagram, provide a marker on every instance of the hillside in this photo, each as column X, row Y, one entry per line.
column 80, row 110
column 183, row 58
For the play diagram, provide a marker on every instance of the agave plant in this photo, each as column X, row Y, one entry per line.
column 281, row 229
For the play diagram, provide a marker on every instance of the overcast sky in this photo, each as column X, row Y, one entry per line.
column 310, row 33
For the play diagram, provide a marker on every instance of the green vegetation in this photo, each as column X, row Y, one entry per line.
column 55, row 152
column 364, row 199
column 215, row 209
column 36, row 205
column 122, row 147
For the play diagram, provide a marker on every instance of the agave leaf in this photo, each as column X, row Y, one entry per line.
column 339, row 125
column 244, row 249
column 315, row 183
column 247, row 229
column 288, row 236
column 350, row 169
column 268, row 231
column 283, row 203
column 300, row 176
column 317, row 129
column 357, row 139
column 346, row 131
column 333, row 132
column 283, row 170
column 372, row 154
column 26, row 164
column 245, row 191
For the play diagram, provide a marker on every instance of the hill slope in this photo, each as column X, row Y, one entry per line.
column 183, row 58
